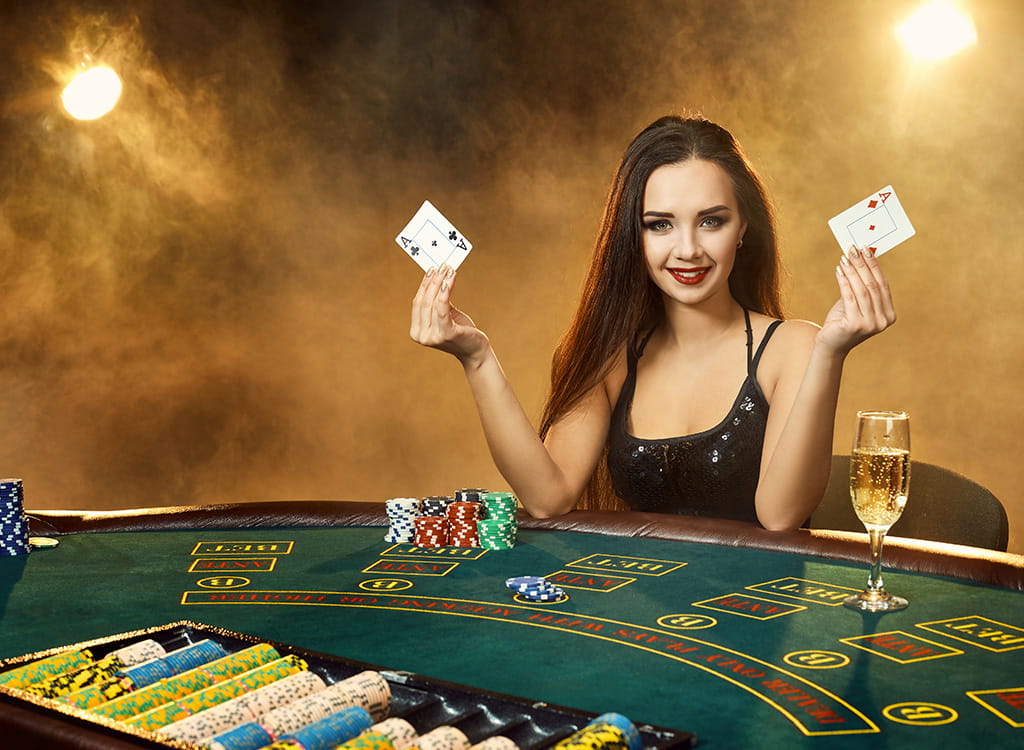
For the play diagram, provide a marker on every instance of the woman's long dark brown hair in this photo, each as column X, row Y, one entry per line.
column 619, row 300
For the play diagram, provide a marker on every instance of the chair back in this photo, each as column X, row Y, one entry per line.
column 943, row 506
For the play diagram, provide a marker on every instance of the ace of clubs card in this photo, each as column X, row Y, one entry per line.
column 431, row 240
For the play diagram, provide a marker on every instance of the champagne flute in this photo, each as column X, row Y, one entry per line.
column 879, row 482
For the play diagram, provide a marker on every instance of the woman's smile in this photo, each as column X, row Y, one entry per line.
column 690, row 276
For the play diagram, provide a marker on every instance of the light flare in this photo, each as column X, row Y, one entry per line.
column 936, row 30
column 92, row 93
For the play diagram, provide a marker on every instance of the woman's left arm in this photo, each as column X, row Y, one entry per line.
column 797, row 452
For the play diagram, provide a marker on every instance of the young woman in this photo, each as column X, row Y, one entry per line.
column 677, row 388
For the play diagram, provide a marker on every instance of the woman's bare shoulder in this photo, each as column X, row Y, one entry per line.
column 798, row 334
column 786, row 353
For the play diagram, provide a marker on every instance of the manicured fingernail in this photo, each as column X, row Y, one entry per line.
column 430, row 272
column 843, row 260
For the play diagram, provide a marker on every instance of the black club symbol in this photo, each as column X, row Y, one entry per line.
column 452, row 236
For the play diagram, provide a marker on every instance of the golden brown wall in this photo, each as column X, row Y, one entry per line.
column 201, row 300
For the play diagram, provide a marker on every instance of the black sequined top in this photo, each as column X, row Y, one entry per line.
column 711, row 473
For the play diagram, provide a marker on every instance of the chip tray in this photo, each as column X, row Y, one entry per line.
column 424, row 702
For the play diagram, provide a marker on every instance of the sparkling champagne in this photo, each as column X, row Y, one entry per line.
column 879, row 481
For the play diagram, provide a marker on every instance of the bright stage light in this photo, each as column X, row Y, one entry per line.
column 937, row 30
column 92, row 94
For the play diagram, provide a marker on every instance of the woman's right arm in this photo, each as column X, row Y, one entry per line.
column 548, row 476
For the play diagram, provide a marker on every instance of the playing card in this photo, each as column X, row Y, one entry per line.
column 878, row 223
column 430, row 239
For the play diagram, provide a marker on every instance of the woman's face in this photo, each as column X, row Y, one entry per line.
column 691, row 226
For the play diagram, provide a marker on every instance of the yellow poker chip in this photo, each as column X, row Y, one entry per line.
column 42, row 542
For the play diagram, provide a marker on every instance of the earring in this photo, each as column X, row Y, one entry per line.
column 739, row 244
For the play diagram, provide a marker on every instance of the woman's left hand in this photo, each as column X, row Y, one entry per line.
column 865, row 305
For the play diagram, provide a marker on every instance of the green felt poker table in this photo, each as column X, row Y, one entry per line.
column 714, row 627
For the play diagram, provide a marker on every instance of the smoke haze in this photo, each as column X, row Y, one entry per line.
column 202, row 300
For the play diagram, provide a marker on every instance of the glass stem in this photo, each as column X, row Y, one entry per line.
column 876, row 536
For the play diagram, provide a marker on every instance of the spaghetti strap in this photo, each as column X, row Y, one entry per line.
column 752, row 364
column 638, row 349
column 750, row 338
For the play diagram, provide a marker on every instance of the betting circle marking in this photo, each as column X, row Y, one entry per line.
column 816, row 659
column 385, row 584
column 223, row 582
column 920, row 714
column 687, row 622
column 524, row 600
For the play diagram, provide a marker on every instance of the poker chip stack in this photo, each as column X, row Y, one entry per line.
column 535, row 588
column 13, row 524
column 469, row 495
column 22, row 677
column 369, row 740
column 431, row 531
column 367, row 690
column 462, row 524
column 176, row 662
column 501, row 526
column 78, row 679
column 402, row 513
column 436, row 505
column 606, row 732
column 443, row 738
column 249, row 736
column 136, row 653
column 399, row 732
column 244, row 709
column 139, row 699
column 629, row 730
column 95, row 672
column 221, row 692
column 330, row 731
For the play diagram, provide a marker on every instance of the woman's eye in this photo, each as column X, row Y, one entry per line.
column 658, row 225
column 712, row 221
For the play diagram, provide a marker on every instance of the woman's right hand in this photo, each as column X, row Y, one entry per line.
column 439, row 324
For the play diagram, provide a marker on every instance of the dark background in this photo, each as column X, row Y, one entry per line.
column 200, row 295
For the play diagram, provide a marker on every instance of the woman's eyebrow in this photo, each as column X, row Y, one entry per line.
column 714, row 210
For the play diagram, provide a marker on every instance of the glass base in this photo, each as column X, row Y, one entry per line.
column 875, row 601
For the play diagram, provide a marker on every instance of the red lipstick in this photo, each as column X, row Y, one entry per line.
column 690, row 276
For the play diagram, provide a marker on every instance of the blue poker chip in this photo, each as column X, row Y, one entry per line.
column 244, row 737
column 545, row 599
column 333, row 730
column 544, row 596
column 146, row 673
column 548, row 589
column 194, row 655
column 525, row 581
column 540, row 588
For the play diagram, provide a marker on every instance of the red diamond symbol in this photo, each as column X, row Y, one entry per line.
column 871, row 228
column 872, row 204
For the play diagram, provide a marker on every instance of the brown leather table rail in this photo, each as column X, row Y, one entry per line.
column 919, row 556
